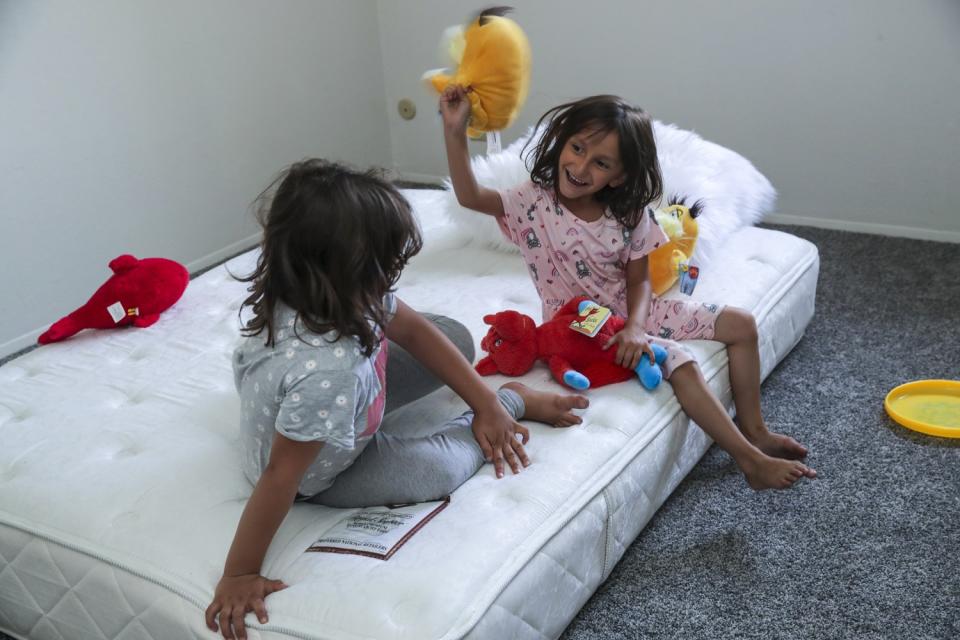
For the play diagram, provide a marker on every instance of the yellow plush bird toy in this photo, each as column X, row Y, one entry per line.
column 493, row 61
column 679, row 222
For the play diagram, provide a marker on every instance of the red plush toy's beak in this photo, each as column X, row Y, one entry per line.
column 60, row 330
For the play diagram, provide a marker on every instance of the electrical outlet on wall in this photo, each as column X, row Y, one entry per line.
column 407, row 109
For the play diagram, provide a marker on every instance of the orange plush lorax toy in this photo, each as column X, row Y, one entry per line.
column 494, row 64
column 136, row 294
column 679, row 222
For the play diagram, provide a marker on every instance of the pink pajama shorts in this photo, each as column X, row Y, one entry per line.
column 672, row 320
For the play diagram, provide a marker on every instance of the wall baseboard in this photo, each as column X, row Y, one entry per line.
column 229, row 251
column 26, row 341
column 421, row 177
column 897, row 231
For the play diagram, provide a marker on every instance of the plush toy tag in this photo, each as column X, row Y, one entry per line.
column 592, row 318
column 117, row 312
column 688, row 277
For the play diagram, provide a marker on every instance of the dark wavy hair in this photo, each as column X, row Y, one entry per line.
column 334, row 243
column 638, row 151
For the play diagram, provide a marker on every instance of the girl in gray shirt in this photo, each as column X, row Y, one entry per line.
column 312, row 374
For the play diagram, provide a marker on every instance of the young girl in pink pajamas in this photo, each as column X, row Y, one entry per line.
column 583, row 227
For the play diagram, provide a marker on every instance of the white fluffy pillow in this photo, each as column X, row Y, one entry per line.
column 734, row 193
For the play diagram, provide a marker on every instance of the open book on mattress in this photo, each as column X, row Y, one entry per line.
column 378, row 532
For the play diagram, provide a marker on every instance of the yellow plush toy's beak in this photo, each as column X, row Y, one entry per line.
column 495, row 67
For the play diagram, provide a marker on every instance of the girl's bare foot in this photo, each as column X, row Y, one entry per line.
column 550, row 408
column 765, row 472
column 776, row 444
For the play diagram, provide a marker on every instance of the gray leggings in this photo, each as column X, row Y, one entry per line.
column 394, row 469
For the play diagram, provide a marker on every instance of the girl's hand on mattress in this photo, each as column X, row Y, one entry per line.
column 631, row 344
column 496, row 433
column 234, row 597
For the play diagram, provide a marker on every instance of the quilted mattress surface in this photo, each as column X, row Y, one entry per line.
column 120, row 488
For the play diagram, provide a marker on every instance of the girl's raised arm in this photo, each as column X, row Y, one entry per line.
column 455, row 109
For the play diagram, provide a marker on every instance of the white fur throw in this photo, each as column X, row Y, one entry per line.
column 734, row 193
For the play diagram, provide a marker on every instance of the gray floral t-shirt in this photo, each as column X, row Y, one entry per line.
column 309, row 389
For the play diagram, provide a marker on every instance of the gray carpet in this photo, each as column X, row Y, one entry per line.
column 870, row 549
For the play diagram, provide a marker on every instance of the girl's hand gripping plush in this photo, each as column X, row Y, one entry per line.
column 492, row 56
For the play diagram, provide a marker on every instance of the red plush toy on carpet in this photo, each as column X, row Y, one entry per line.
column 136, row 294
column 575, row 355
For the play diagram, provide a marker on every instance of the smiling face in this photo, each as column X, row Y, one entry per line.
column 589, row 162
column 598, row 155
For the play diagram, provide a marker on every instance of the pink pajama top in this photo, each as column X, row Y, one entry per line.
column 568, row 257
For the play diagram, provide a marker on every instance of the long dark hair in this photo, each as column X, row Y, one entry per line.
column 334, row 243
column 638, row 151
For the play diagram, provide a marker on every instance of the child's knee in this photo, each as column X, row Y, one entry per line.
column 742, row 323
column 685, row 372
column 457, row 333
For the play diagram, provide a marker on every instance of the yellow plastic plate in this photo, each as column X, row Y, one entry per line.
column 927, row 406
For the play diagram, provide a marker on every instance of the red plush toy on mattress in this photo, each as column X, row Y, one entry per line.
column 571, row 342
column 137, row 293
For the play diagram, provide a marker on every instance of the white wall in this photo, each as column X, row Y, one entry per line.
column 851, row 108
column 147, row 127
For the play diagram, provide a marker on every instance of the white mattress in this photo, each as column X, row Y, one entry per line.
column 120, row 489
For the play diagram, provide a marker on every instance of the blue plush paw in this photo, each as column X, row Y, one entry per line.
column 659, row 353
column 649, row 376
column 576, row 380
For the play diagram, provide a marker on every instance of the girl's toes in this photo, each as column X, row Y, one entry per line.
column 568, row 402
column 570, row 420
